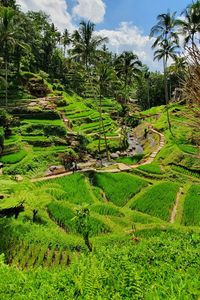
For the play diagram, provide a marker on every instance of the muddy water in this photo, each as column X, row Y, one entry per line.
column 134, row 144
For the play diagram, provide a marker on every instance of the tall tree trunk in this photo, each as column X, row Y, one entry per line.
column 87, row 242
column 103, row 127
column 6, row 77
column 99, row 142
column 34, row 214
column 167, row 95
column 148, row 93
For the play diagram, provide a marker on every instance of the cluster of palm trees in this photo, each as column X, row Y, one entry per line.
column 167, row 33
column 81, row 59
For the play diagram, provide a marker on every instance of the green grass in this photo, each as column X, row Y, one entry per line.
column 151, row 168
column 185, row 171
column 64, row 217
column 129, row 160
column 158, row 200
column 191, row 207
column 43, row 122
column 13, row 158
column 163, row 265
column 106, row 210
column 119, row 188
column 189, row 149
column 12, row 139
column 113, row 144
column 76, row 189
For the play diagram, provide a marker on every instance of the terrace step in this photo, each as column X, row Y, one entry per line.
column 123, row 167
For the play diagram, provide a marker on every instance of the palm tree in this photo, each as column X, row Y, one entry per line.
column 9, row 3
column 85, row 42
column 66, row 40
column 190, row 25
column 167, row 44
column 7, row 38
column 147, row 78
column 128, row 68
column 104, row 77
column 11, row 36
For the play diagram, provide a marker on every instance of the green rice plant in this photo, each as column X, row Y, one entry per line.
column 13, row 158
column 130, row 160
column 61, row 215
column 191, row 207
column 64, row 217
column 158, row 200
column 189, row 149
column 75, row 189
column 106, row 210
column 120, row 187
column 138, row 217
column 185, row 171
column 151, row 168
column 113, row 144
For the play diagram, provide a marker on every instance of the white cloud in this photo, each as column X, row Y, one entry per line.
column 126, row 37
column 129, row 37
column 56, row 9
column 93, row 10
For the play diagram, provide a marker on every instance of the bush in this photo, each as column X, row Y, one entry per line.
column 36, row 85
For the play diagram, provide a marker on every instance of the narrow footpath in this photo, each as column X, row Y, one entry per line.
column 120, row 167
column 174, row 211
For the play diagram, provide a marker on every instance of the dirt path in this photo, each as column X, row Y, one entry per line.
column 174, row 211
column 66, row 121
column 120, row 167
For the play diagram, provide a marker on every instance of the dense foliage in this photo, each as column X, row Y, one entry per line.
column 99, row 184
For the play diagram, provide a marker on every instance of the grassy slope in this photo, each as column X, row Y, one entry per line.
column 47, row 244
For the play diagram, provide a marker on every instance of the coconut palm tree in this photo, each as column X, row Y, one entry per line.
column 103, row 80
column 7, row 39
column 166, row 50
column 166, row 43
column 147, row 78
column 86, row 42
column 128, row 68
column 66, row 40
column 190, row 25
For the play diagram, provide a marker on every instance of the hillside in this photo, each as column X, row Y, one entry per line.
column 99, row 150
column 144, row 210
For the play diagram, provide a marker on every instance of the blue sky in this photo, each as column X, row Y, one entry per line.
column 126, row 23
column 141, row 12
